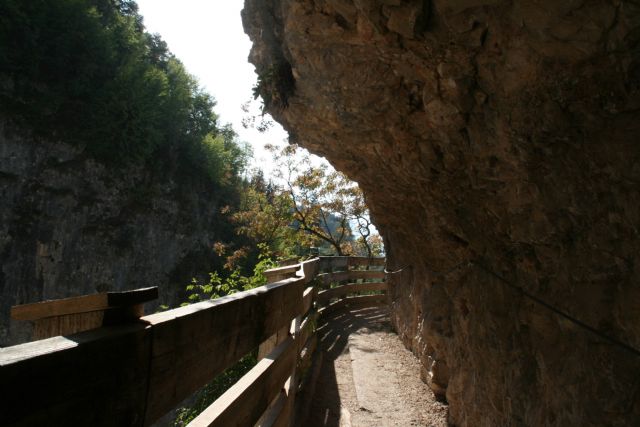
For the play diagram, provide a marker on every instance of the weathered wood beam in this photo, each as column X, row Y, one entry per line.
column 364, row 261
column 271, row 414
column 307, row 299
column 326, row 279
column 280, row 273
column 343, row 262
column 94, row 378
column 245, row 402
column 192, row 344
column 83, row 304
column 328, row 294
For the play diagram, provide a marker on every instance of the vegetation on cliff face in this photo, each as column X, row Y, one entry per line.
column 87, row 72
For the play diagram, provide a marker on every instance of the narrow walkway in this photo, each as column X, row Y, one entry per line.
column 368, row 378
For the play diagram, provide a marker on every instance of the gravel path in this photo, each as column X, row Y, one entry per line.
column 368, row 378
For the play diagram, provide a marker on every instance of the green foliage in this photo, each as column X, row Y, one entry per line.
column 312, row 206
column 218, row 286
column 86, row 72
column 265, row 215
column 275, row 85
column 220, row 157
column 215, row 389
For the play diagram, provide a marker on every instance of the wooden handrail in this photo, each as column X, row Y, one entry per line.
column 132, row 374
column 245, row 402
column 326, row 279
column 83, row 304
column 77, row 314
column 340, row 291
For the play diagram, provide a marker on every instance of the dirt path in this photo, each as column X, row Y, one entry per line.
column 368, row 378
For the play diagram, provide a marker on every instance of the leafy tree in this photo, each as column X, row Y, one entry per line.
column 86, row 72
column 265, row 216
column 312, row 206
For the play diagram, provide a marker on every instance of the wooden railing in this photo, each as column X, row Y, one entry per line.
column 131, row 374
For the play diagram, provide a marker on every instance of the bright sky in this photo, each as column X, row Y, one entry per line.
column 207, row 36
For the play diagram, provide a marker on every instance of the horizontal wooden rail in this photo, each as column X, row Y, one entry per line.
column 279, row 273
column 245, row 402
column 95, row 378
column 132, row 374
column 192, row 344
column 77, row 314
column 271, row 415
column 340, row 291
column 135, row 373
column 83, row 304
column 307, row 298
column 344, row 262
column 326, row 279
column 364, row 261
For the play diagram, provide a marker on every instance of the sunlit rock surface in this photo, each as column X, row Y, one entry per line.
column 497, row 143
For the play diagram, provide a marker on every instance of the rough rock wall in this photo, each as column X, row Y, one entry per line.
column 69, row 226
column 497, row 145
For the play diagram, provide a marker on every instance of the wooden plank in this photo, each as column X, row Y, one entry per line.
column 331, row 263
column 66, row 325
column 285, row 417
column 326, row 279
column 307, row 390
column 343, row 262
column 272, row 342
column 133, row 297
column 280, row 273
column 192, row 344
column 326, row 295
column 82, row 304
column 306, row 355
column 271, row 414
column 307, row 327
column 245, row 402
column 95, row 378
column 365, row 261
column 307, row 299
column 309, row 269
column 366, row 275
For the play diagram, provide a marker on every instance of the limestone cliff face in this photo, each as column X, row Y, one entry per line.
column 497, row 145
column 70, row 226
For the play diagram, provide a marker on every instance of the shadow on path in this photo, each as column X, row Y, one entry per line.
column 327, row 408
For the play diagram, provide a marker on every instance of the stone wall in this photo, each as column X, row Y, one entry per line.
column 497, row 146
column 71, row 226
